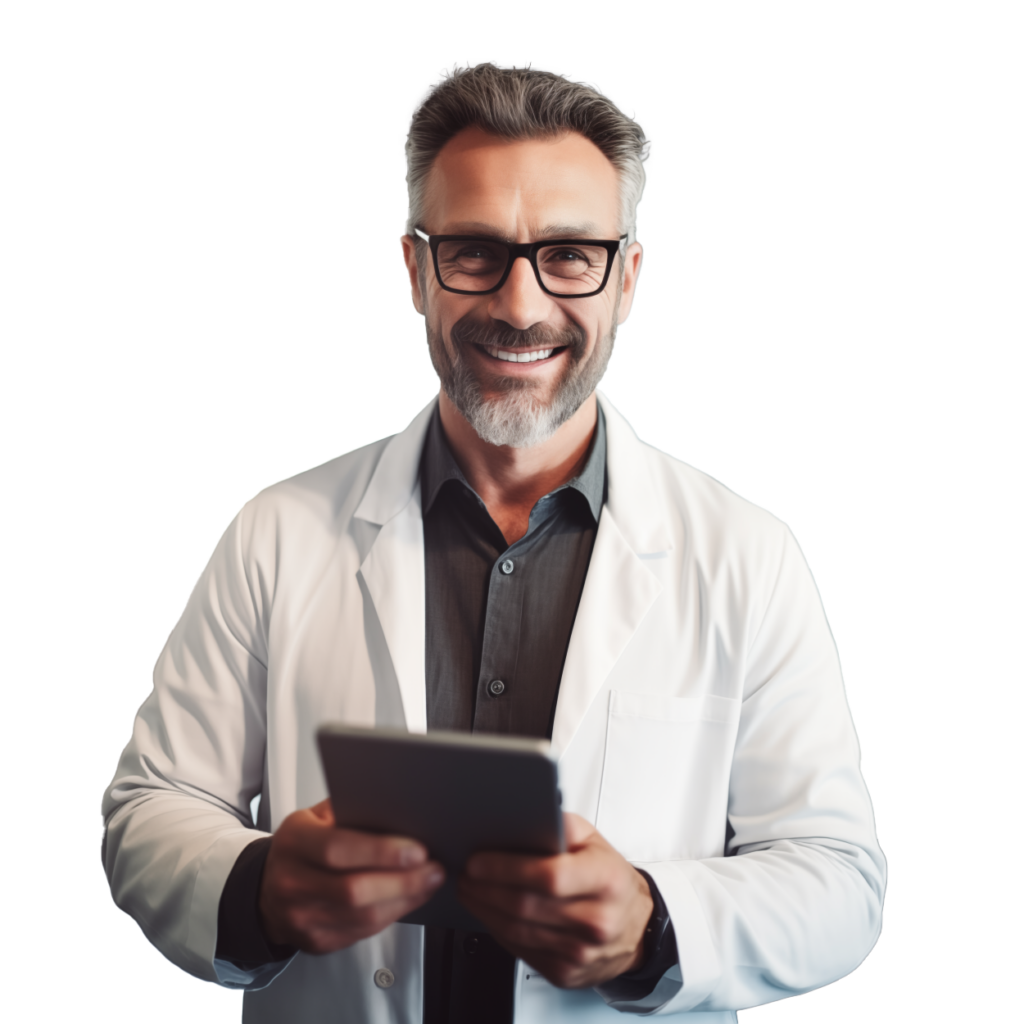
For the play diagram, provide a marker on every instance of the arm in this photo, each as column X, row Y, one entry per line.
column 795, row 903
column 178, row 830
column 177, row 811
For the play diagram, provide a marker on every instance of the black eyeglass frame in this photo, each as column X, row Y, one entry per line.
column 528, row 251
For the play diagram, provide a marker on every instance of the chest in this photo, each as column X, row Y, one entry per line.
column 499, row 616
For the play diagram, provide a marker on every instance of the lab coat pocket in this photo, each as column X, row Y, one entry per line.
column 665, row 787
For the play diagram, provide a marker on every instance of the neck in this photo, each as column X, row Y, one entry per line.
column 511, row 480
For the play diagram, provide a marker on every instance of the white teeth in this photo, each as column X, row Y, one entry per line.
column 519, row 357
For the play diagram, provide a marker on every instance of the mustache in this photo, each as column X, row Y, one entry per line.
column 498, row 334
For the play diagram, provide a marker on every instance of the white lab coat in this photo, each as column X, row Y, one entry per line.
column 701, row 684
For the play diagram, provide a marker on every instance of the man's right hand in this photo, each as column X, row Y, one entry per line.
column 325, row 888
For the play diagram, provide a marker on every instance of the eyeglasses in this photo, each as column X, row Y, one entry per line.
column 567, row 268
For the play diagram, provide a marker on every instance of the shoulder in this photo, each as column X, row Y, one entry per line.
column 285, row 538
column 737, row 559
column 320, row 499
column 659, row 498
column 384, row 473
column 708, row 507
column 327, row 493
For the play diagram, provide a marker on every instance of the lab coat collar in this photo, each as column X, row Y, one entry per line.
column 398, row 472
column 633, row 498
column 619, row 590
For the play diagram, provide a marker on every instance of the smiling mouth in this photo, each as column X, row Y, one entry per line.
column 507, row 355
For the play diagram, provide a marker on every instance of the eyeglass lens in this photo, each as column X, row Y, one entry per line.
column 478, row 266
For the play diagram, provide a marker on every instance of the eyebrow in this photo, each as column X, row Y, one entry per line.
column 585, row 230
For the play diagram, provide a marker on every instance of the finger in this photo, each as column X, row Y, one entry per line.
column 313, row 901
column 361, row 889
column 345, row 849
column 577, row 830
column 585, row 872
column 589, row 919
column 323, row 811
column 318, row 928
column 309, row 836
column 562, row 957
column 530, row 940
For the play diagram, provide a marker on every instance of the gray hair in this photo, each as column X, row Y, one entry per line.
column 521, row 103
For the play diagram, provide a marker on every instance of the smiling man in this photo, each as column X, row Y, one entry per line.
column 514, row 562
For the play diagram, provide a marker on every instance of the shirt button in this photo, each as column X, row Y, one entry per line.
column 507, row 566
column 497, row 688
column 383, row 978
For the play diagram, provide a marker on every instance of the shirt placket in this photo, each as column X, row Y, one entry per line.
column 496, row 682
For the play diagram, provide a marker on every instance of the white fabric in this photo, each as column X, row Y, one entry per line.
column 701, row 682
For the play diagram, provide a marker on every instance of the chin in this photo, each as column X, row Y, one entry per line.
column 514, row 410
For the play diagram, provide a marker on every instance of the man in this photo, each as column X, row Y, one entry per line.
column 515, row 561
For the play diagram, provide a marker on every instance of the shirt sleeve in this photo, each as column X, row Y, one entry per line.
column 241, row 941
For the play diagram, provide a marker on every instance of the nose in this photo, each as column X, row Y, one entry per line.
column 520, row 302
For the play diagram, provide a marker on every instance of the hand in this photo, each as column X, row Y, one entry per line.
column 325, row 888
column 579, row 918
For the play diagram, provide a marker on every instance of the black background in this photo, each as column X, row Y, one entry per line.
column 254, row 286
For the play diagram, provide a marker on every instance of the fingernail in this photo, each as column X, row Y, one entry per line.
column 435, row 877
column 412, row 855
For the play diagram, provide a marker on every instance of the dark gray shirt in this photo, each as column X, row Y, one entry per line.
column 499, row 616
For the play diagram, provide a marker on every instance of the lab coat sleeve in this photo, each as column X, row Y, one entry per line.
column 177, row 812
column 796, row 902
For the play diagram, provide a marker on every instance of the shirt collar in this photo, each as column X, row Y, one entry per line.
column 438, row 466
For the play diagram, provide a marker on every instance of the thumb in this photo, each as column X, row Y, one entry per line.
column 577, row 830
column 323, row 811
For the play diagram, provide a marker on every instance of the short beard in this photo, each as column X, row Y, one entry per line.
column 517, row 418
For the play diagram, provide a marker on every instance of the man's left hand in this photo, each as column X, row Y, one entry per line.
column 579, row 918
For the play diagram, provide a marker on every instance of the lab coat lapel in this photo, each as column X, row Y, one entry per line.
column 620, row 588
column 618, row 593
column 393, row 568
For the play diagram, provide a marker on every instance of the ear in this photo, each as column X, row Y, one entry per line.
column 412, row 266
column 631, row 260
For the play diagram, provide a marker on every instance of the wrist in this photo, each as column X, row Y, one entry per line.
column 644, row 944
column 637, row 982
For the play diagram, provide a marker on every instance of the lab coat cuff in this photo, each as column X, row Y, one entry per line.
column 232, row 976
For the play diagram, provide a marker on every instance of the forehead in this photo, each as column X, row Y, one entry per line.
column 522, row 186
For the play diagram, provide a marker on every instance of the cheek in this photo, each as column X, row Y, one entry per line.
column 594, row 321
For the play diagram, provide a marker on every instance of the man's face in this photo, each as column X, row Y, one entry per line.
column 521, row 191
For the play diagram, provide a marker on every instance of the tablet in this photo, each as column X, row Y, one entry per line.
column 456, row 793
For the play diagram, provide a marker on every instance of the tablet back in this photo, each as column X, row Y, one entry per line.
column 457, row 793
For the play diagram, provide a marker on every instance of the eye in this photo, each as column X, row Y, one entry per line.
column 569, row 262
column 471, row 256
column 565, row 256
